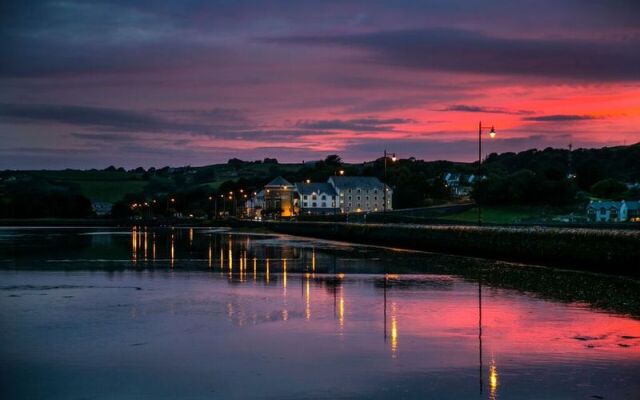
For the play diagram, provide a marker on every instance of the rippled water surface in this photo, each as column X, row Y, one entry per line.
column 202, row 313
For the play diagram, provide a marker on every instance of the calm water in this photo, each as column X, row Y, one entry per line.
column 197, row 313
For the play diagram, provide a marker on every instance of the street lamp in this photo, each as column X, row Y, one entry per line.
column 170, row 200
column 492, row 134
column 393, row 159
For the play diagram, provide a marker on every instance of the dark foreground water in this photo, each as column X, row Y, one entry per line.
column 196, row 313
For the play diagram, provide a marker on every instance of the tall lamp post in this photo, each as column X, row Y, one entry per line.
column 492, row 134
column 393, row 159
column 224, row 204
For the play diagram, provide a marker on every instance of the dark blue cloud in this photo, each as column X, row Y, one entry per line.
column 486, row 110
column 560, row 118
column 355, row 125
column 464, row 51
column 107, row 118
column 206, row 122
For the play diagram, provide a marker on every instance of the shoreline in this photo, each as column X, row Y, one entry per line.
column 606, row 251
column 592, row 250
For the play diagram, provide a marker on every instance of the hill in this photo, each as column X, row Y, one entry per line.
column 416, row 182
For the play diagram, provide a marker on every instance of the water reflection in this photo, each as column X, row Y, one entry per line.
column 172, row 244
column 449, row 327
column 493, row 380
column 394, row 330
column 307, row 297
column 146, row 242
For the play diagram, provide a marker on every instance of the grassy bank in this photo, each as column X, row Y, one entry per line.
column 607, row 251
column 511, row 214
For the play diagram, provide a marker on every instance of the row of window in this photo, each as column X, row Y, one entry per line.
column 314, row 204
column 358, row 205
column 375, row 198
column 315, row 197
column 375, row 191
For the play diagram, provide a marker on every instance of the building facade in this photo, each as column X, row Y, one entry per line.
column 255, row 205
column 630, row 211
column 316, row 199
column 460, row 185
column 613, row 211
column 361, row 194
column 279, row 198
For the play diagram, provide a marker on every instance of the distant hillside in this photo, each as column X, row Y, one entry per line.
column 408, row 175
column 588, row 165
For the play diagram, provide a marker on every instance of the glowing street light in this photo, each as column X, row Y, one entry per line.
column 393, row 159
column 492, row 134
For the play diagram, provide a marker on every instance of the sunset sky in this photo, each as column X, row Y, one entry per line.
column 87, row 84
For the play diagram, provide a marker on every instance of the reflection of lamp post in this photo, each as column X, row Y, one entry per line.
column 384, row 288
column 480, row 329
column 492, row 134
column 393, row 159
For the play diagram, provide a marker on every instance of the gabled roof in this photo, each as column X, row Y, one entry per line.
column 632, row 205
column 310, row 188
column 451, row 176
column 604, row 203
column 360, row 182
column 279, row 181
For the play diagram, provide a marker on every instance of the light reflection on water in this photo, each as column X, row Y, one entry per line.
column 308, row 320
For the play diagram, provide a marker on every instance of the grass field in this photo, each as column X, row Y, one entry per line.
column 109, row 191
column 507, row 215
column 111, row 186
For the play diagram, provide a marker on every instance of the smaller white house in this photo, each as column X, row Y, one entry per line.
column 630, row 211
column 317, row 198
column 460, row 184
column 613, row 211
column 255, row 204
column 101, row 208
